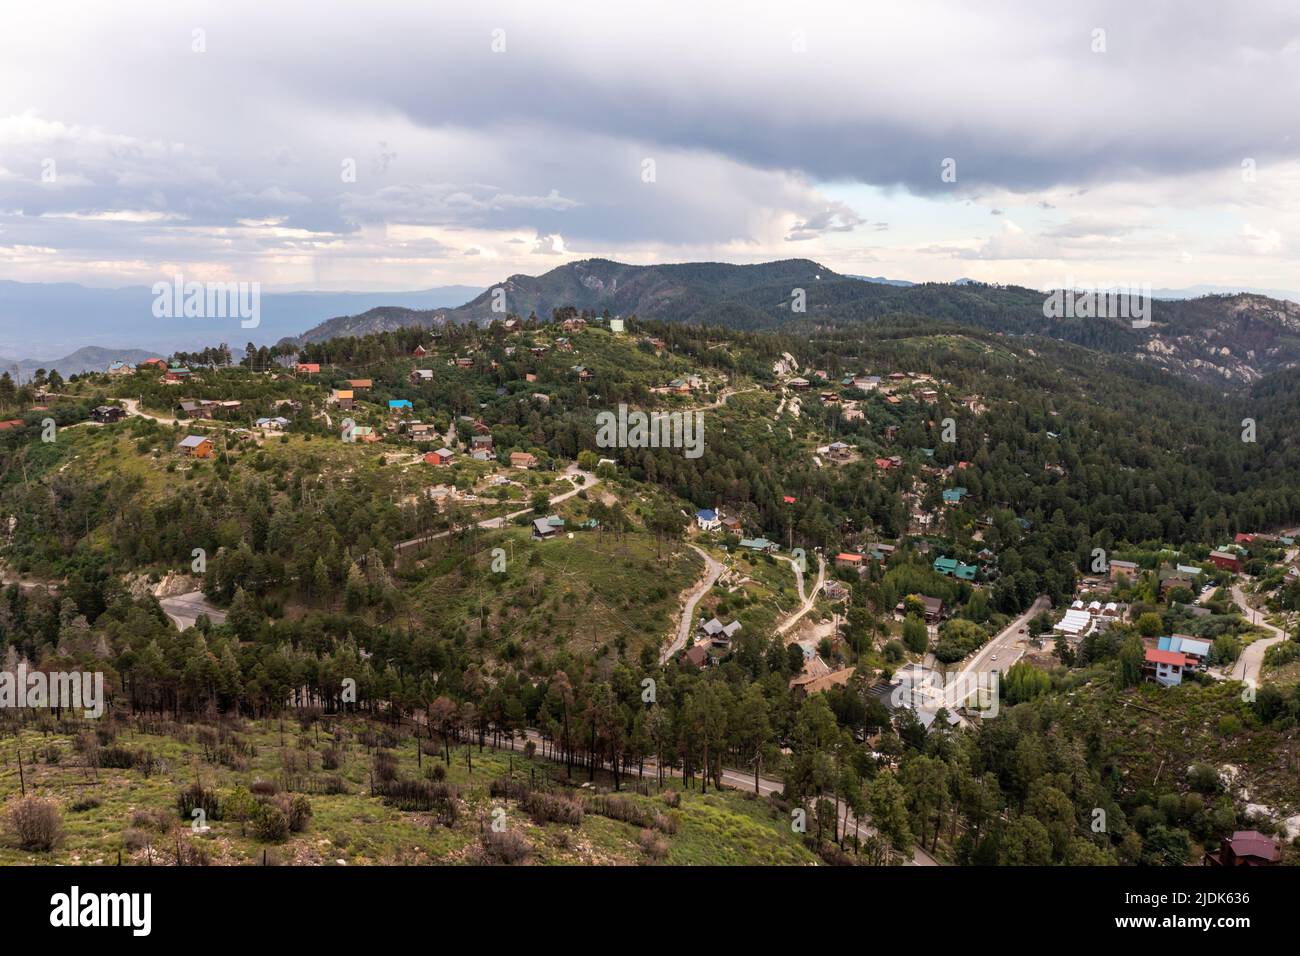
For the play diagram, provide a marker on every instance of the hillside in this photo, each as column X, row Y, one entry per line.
column 1222, row 340
column 483, row 569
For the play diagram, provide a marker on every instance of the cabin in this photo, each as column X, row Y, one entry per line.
column 697, row 656
column 548, row 527
column 1226, row 560
column 361, row 384
column 759, row 544
column 174, row 376
column 107, row 414
column 838, row 451
column 522, row 459
column 400, row 406
column 419, row 375
column 1245, row 848
column 442, row 456
column 342, row 397
column 195, row 446
column 421, row 431
column 847, row 559
column 276, row 424
column 196, row 409
column 307, row 368
column 419, row 352
column 1120, row 569
column 154, row 363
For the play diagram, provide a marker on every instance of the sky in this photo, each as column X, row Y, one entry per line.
column 395, row 145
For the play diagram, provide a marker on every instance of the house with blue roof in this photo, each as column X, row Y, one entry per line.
column 1190, row 647
column 953, row 496
column 708, row 519
column 400, row 405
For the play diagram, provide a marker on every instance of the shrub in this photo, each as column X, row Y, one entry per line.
column 134, row 839
column 34, row 823
column 507, row 847
column 652, row 845
column 385, row 766
column 116, row 758
column 547, row 808
column 84, row 804
column 195, row 797
column 270, row 825
column 264, row 788
column 330, row 759
column 296, row 810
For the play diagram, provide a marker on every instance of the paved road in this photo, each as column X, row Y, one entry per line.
column 1248, row 665
column 1003, row 647
column 184, row 609
column 572, row 473
column 740, row 780
column 712, row 571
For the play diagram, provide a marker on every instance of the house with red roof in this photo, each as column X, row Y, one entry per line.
column 1245, row 848
column 1165, row 667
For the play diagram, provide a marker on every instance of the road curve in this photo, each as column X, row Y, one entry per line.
column 712, row 571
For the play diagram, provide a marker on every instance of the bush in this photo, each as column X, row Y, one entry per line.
column 34, row 823
column 507, row 847
column 134, row 839
column 116, row 758
column 296, row 810
column 330, row 759
column 195, row 797
column 270, row 825
column 548, row 808
column 84, row 804
column 652, row 845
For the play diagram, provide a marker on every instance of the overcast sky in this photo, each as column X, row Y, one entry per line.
column 1100, row 142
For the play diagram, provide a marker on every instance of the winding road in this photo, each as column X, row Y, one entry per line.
column 573, row 472
column 807, row 600
column 712, row 571
column 1250, row 662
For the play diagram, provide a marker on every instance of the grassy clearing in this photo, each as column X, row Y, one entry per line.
column 134, row 812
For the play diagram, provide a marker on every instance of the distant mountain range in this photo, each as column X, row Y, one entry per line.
column 1222, row 339
column 92, row 358
column 56, row 319
column 1226, row 339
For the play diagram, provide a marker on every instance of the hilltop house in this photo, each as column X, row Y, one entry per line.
column 522, row 459
column 419, row 375
column 400, row 406
column 442, row 456
column 342, row 397
column 307, row 368
column 707, row 519
column 107, row 414
column 196, row 446
column 361, row 384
